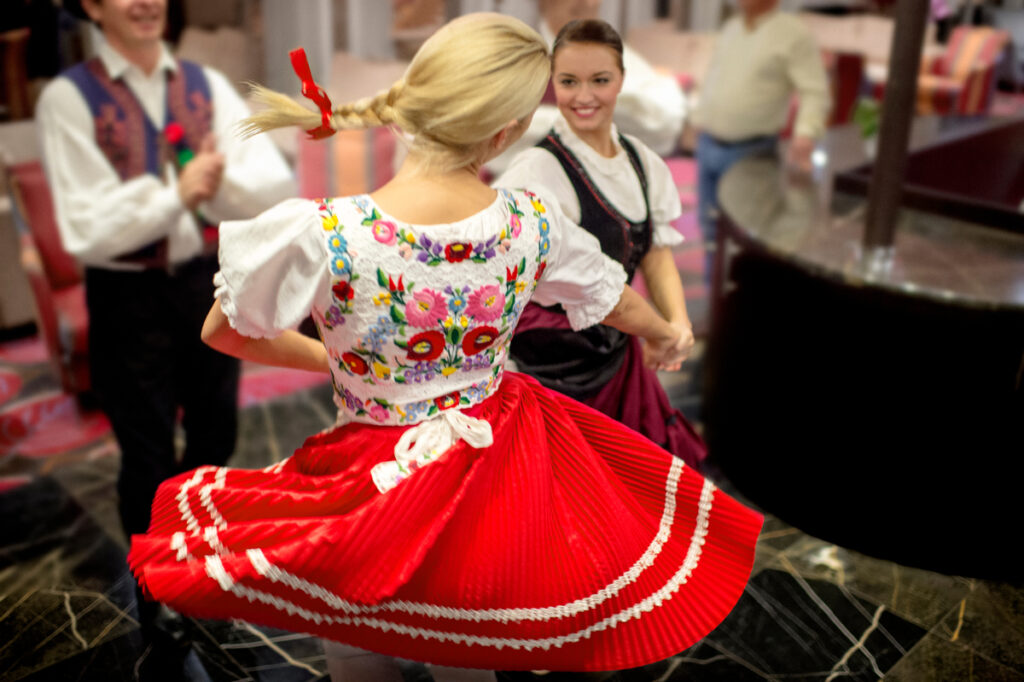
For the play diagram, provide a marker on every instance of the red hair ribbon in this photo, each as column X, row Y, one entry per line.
column 314, row 92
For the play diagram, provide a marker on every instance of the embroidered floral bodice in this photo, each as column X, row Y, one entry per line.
column 417, row 319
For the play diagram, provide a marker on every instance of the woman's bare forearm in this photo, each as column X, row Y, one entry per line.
column 662, row 278
column 288, row 349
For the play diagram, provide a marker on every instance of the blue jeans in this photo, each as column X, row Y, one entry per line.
column 713, row 159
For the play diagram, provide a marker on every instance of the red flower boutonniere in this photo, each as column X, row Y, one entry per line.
column 174, row 134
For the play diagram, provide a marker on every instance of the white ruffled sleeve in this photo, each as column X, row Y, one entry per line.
column 272, row 268
column 578, row 275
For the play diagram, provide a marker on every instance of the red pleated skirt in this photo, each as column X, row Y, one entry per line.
column 571, row 543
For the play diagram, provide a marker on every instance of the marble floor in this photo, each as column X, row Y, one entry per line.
column 811, row 611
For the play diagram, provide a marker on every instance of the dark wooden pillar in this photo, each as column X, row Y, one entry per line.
column 898, row 107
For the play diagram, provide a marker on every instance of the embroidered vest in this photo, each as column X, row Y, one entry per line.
column 126, row 136
column 419, row 317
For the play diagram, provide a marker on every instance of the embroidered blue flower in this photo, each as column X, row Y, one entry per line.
column 341, row 264
column 373, row 342
column 337, row 244
column 475, row 392
column 545, row 245
column 543, row 226
column 457, row 301
column 385, row 326
column 413, row 411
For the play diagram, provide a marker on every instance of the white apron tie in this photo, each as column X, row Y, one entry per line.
column 428, row 440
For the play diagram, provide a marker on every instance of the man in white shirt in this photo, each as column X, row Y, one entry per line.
column 650, row 106
column 761, row 58
column 143, row 163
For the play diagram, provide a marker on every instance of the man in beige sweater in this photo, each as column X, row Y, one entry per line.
column 762, row 57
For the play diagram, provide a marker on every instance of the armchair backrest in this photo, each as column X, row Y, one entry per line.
column 971, row 48
column 33, row 205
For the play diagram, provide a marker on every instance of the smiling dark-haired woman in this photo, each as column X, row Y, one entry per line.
column 619, row 190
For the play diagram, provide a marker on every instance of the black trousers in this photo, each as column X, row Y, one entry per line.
column 149, row 367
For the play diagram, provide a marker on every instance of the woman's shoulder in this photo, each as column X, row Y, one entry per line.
column 526, row 164
column 537, row 171
column 650, row 159
column 641, row 148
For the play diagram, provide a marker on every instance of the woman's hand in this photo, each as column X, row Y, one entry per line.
column 668, row 354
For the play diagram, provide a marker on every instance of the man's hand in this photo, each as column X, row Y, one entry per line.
column 200, row 178
column 800, row 151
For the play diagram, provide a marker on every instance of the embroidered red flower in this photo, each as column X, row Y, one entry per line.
column 425, row 346
column 478, row 339
column 447, row 402
column 457, row 252
column 355, row 364
column 343, row 291
column 395, row 286
column 174, row 133
column 511, row 275
column 540, row 270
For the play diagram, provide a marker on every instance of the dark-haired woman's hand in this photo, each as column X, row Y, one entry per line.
column 667, row 354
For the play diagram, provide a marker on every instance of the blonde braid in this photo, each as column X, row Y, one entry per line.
column 279, row 111
column 368, row 112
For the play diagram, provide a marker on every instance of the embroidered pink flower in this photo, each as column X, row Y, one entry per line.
column 516, row 224
column 404, row 250
column 385, row 232
column 486, row 303
column 378, row 412
column 426, row 308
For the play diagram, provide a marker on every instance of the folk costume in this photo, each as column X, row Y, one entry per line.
column 457, row 514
